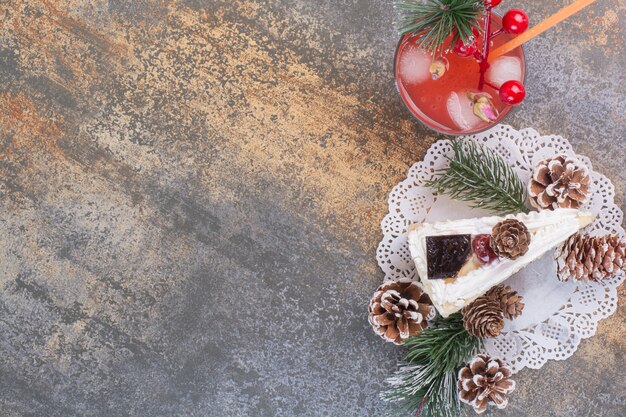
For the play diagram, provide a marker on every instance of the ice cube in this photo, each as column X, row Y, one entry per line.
column 503, row 69
column 414, row 65
column 460, row 109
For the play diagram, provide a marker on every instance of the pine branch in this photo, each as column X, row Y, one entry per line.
column 434, row 21
column 479, row 176
column 426, row 383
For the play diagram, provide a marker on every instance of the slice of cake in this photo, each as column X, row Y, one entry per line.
column 459, row 260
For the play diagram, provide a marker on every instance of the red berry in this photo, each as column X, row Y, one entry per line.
column 483, row 250
column 515, row 21
column 512, row 92
column 492, row 3
column 467, row 49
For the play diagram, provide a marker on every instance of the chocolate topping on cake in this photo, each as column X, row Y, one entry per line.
column 445, row 255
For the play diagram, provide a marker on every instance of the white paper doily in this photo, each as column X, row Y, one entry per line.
column 557, row 315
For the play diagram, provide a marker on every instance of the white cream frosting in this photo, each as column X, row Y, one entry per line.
column 548, row 228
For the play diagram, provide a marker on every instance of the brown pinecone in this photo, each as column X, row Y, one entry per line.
column 400, row 309
column 560, row 181
column 483, row 317
column 485, row 380
column 510, row 302
column 510, row 239
column 587, row 258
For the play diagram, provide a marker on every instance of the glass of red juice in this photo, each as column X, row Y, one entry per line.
column 442, row 104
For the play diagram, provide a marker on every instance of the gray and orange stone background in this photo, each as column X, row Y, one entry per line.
column 191, row 193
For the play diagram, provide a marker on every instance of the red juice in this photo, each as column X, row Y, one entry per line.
column 442, row 104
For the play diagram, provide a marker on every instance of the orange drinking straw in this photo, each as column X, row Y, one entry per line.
column 538, row 29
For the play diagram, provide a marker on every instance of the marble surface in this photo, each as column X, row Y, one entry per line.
column 191, row 193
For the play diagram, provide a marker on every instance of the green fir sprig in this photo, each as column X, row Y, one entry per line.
column 435, row 20
column 479, row 176
column 425, row 384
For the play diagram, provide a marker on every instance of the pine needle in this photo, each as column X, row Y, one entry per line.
column 426, row 382
column 435, row 20
column 479, row 176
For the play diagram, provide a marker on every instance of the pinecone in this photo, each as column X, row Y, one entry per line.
column 485, row 380
column 560, row 181
column 586, row 258
column 510, row 302
column 510, row 239
column 483, row 317
column 400, row 309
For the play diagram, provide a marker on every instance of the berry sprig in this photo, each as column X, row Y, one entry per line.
column 514, row 21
